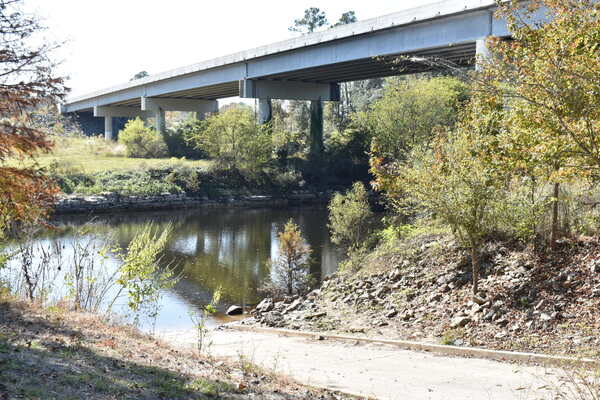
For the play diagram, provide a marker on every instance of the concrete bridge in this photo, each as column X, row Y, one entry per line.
column 309, row 67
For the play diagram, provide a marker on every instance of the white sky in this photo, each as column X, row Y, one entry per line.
column 108, row 41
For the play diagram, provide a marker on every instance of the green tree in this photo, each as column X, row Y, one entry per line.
column 350, row 217
column 348, row 17
column 410, row 111
column 235, row 140
column 141, row 141
column 548, row 77
column 140, row 75
column 449, row 180
column 313, row 19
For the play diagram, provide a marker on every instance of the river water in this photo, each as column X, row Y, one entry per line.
column 225, row 248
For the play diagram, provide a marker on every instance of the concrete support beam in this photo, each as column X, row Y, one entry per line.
column 159, row 105
column 108, row 128
column 131, row 112
column 289, row 90
column 316, row 130
column 265, row 111
column 159, row 120
column 191, row 105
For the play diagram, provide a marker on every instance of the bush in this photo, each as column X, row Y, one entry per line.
column 141, row 141
column 235, row 141
column 350, row 217
column 179, row 140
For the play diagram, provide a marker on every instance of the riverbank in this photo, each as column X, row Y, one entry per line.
column 419, row 289
column 115, row 202
column 58, row 354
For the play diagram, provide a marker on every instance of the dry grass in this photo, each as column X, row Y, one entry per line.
column 94, row 154
column 58, row 354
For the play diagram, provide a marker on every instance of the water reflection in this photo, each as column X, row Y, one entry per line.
column 223, row 248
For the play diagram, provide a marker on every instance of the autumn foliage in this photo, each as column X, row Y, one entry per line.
column 26, row 82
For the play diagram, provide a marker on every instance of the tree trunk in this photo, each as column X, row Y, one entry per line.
column 554, row 233
column 475, row 267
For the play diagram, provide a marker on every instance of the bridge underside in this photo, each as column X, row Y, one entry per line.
column 392, row 65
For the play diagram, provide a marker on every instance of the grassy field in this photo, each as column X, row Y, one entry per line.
column 94, row 154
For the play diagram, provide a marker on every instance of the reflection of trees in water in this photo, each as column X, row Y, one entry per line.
column 223, row 247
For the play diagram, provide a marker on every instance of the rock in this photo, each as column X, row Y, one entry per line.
column 235, row 310
column 540, row 305
column 265, row 306
column 435, row 297
column 459, row 322
column 315, row 315
column 546, row 317
column 391, row 313
column 294, row 306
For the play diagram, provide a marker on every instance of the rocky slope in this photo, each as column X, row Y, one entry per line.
column 420, row 290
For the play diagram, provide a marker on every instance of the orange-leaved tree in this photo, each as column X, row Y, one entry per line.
column 26, row 82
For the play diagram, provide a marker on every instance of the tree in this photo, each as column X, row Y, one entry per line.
column 548, row 76
column 348, row 17
column 291, row 267
column 235, row 140
column 140, row 75
column 141, row 141
column 350, row 217
column 409, row 113
column 449, row 180
column 313, row 19
column 26, row 82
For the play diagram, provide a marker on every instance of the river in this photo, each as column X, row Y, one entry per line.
column 225, row 248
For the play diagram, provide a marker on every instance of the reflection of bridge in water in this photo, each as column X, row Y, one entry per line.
column 224, row 248
column 309, row 67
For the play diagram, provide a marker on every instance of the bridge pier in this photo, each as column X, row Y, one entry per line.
column 316, row 130
column 316, row 93
column 265, row 111
column 110, row 113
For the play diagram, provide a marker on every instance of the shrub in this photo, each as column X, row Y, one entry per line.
column 141, row 141
column 350, row 217
column 179, row 140
column 235, row 141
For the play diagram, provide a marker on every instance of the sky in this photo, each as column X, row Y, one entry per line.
column 106, row 42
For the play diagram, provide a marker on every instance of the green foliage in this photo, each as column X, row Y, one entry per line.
column 141, row 141
column 199, row 320
column 452, row 336
column 234, row 140
column 350, row 217
column 313, row 19
column 179, row 141
column 141, row 274
column 410, row 112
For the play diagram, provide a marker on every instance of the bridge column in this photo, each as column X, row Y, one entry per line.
column 265, row 111
column 316, row 129
column 108, row 127
column 159, row 120
column 111, row 112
